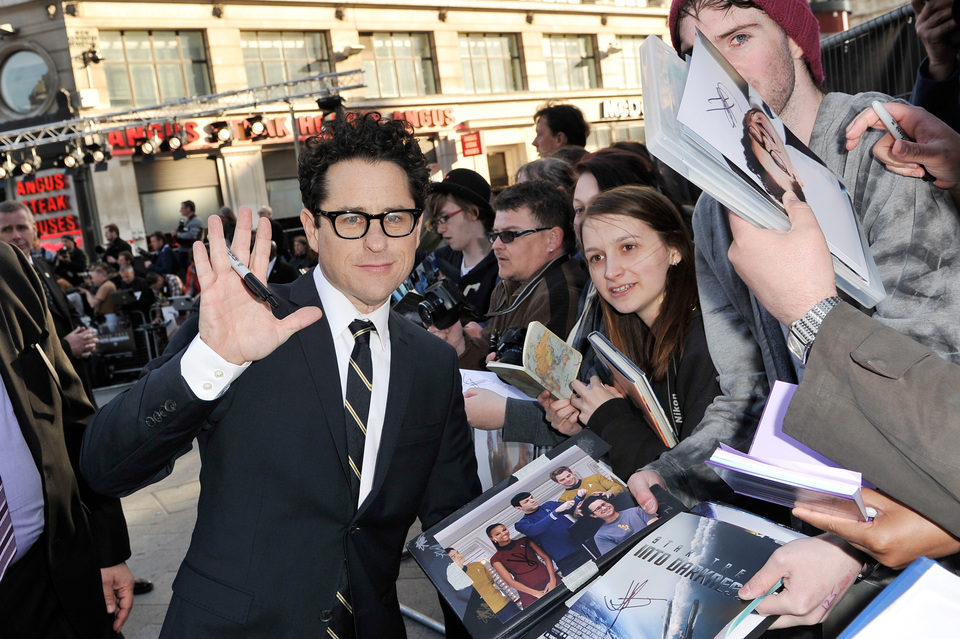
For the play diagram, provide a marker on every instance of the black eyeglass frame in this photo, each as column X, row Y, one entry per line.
column 333, row 215
column 502, row 235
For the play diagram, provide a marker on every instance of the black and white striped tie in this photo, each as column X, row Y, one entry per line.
column 357, row 403
column 8, row 543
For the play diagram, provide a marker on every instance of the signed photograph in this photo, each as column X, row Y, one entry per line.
column 539, row 533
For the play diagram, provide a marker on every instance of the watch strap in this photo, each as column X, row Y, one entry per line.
column 804, row 330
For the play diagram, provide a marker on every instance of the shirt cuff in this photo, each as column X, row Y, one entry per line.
column 207, row 374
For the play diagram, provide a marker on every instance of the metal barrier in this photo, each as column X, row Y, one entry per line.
column 882, row 54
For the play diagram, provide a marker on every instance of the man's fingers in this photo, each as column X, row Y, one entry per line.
column 241, row 234
column 799, row 212
column 739, row 226
column 866, row 119
column 852, row 531
column 906, row 152
column 201, row 262
column 109, row 597
column 125, row 603
column 261, row 250
column 639, row 485
column 218, row 247
column 299, row 319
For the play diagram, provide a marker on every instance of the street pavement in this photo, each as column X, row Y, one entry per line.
column 160, row 519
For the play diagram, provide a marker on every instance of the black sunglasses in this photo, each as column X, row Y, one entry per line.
column 508, row 237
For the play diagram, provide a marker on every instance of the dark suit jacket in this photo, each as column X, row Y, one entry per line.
column 275, row 519
column 65, row 316
column 875, row 401
column 52, row 409
column 282, row 273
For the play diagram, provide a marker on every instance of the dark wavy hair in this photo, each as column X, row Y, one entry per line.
column 615, row 167
column 547, row 204
column 365, row 137
column 651, row 348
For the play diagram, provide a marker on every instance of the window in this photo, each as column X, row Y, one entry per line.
column 490, row 62
column 398, row 64
column 28, row 81
column 571, row 62
column 630, row 61
column 150, row 67
column 279, row 56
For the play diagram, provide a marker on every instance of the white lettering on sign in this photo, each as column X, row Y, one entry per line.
column 622, row 108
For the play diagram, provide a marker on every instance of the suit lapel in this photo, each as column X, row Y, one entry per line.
column 317, row 346
column 401, row 385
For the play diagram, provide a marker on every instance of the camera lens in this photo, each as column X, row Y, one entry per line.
column 427, row 308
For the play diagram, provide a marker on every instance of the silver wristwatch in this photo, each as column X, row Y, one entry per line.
column 804, row 330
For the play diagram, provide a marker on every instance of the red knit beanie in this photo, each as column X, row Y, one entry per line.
column 793, row 16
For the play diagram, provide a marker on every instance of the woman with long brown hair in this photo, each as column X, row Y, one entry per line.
column 641, row 261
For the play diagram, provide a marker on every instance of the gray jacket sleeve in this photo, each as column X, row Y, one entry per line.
column 878, row 402
column 913, row 229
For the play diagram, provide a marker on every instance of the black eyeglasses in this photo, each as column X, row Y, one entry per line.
column 509, row 236
column 352, row 225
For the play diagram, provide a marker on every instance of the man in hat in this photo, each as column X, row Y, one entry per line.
column 911, row 225
column 460, row 211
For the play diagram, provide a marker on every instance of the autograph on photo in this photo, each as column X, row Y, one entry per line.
column 725, row 104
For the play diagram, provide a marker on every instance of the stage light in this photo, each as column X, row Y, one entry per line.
column 174, row 144
column 256, row 129
column 71, row 159
column 97, row 154
column 221, row 132
column 30, row 164
column 7, row 167
column 150, row 145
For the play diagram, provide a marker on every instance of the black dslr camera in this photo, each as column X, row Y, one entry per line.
column 508, row 345
column 427, row 297
column 442, row 305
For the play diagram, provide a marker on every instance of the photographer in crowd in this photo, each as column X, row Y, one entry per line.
column 532, row 240
column 71, row 261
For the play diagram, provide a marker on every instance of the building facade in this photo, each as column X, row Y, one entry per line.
column 467, row 75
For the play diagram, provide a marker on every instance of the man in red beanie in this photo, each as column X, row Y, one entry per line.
column 911, row 226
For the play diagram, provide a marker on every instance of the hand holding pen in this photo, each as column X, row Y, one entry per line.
column 236, row 314
column 932, row 147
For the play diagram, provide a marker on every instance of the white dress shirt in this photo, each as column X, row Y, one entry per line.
column 208, row 375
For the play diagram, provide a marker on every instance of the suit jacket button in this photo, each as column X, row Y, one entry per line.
column 170, row 405
column 354, row 530
column 326, row 616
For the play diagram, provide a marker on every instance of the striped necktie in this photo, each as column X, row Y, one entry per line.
column 357, row 402
column 356, row 407
column 8, row 543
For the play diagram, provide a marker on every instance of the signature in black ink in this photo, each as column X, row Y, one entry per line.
column 631, row 599
column 725, row 104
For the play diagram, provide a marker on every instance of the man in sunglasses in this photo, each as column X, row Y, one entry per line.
column 326, row 425
column 532, row 240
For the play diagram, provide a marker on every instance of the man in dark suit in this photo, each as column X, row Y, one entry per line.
column 17, row 227
column 321, row 442
column 53, row 589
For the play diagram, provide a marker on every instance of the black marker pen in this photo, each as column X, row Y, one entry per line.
column 250, row 280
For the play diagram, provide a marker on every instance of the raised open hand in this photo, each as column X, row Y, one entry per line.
column 235, row 324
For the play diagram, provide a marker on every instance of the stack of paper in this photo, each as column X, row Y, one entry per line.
column 781, row 470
